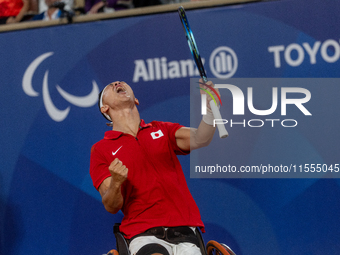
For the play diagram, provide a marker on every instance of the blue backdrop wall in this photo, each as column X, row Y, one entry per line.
column 50, row 78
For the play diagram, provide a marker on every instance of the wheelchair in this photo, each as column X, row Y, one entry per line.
column 212, row 247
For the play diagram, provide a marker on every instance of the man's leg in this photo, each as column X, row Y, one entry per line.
column 149, row 245
column 187, row 249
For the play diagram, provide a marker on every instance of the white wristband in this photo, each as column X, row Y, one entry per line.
column 209, row 118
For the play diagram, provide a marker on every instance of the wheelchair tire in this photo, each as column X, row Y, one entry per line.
column 113, row 252
column 215, row 248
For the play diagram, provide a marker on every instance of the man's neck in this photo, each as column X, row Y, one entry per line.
column 127, row 121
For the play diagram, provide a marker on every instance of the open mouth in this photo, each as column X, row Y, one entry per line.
column 120, row 89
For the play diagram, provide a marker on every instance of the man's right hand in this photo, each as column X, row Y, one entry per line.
column 110, row 189
column 118, row 171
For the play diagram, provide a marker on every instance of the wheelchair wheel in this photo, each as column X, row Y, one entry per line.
column 215, row 248
column 113, row 252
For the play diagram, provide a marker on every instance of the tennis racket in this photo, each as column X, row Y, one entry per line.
column 195, row 54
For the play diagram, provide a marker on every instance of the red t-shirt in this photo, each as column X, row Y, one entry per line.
column 10, row 7
column 155, row 192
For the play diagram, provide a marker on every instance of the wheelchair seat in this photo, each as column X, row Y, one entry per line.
column 212, row 248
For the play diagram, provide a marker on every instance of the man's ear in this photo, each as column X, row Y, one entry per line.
column 104, row 108
column 136, row 101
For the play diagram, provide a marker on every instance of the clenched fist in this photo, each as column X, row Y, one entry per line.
column 118, row 171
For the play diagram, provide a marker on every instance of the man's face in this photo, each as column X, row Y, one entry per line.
column 116, row 93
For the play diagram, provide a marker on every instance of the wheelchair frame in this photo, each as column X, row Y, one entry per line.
column 212, row 247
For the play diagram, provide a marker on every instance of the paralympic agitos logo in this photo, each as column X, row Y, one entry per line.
column 55, row 113
column 289, row 98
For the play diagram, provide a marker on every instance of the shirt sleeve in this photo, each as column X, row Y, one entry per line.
column 172, row 128
column 99, row 167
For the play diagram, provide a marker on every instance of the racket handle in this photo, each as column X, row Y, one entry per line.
column 217, row 115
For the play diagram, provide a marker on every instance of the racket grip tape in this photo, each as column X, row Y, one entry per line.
column 223, row 133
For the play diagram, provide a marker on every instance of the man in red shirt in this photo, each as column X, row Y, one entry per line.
column 136, row 170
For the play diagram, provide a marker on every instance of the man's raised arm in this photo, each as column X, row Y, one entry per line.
column 193, row 138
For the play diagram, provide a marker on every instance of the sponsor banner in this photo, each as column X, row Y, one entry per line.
column 50, row 79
